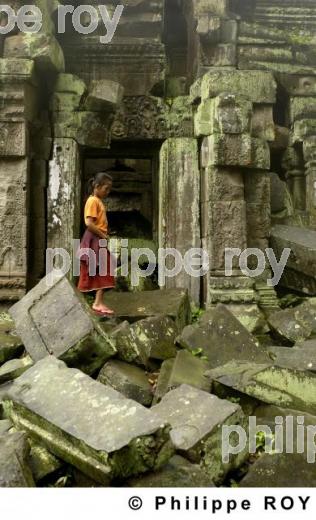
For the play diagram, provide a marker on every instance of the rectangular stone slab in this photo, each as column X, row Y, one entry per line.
column 152, row 338
column 55, row 319
column 283, row 387
column 86, row 424
column 274, row 471
column 298, row 358
column 129, row 380
column 196, row 418
column 14, row 469
column 295, row 324
column 136, row 306
column 299, row 273
column 184, row 369
column 222, row 338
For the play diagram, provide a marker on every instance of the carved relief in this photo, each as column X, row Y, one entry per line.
column 147, row 117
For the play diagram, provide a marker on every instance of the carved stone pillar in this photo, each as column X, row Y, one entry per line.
column 179, row 206
column 293, row 164
column 16, row 87
column 64, row 195
column 234, row 117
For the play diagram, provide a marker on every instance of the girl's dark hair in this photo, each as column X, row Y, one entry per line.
column 99, row 179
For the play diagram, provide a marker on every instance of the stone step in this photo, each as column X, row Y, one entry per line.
column 132, row 307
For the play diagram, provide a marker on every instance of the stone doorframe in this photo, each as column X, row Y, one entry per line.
column 213, row 180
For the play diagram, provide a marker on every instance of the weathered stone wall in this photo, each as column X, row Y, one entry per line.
column 239, row 85
column 16, row 82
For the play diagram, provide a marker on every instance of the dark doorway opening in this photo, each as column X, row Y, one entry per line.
column 132, row 207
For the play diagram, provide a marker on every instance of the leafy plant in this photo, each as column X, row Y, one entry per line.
column 197, row 313
column 262, row 439
column 199, row 353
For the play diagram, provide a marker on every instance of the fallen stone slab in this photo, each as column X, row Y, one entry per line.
column 129, row 380
column 186, row 369
column 163, row 380
column 272, row 471
column 14, row 468
column 54, row 319
column 174, row 303
column 298, row 358
column 10, row 346
column 222, row 338
column 250, row 316
column 308, row 344
column 266, row 414
column 296, row 434
column 41, row 461
column 14, row 368
column 109, row 324
column 299, row 273
column 282, row 387
column 179, row 472
column 152, row 338
column 87, row 424
column 197, row 418
column 295, row 324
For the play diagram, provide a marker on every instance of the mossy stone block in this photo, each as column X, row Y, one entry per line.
column 87, row 424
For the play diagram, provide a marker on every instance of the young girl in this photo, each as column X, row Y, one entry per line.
column 97, row 229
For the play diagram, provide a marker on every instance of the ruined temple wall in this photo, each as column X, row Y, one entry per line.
column 246, row 106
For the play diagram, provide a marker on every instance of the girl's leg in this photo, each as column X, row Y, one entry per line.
column 99, row 304
column 98, row 300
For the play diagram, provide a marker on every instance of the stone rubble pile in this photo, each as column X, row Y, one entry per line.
column 142, row 399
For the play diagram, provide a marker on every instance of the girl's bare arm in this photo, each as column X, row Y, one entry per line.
column 94, row 229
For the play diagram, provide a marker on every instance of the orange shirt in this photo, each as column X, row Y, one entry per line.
column 95, row 208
